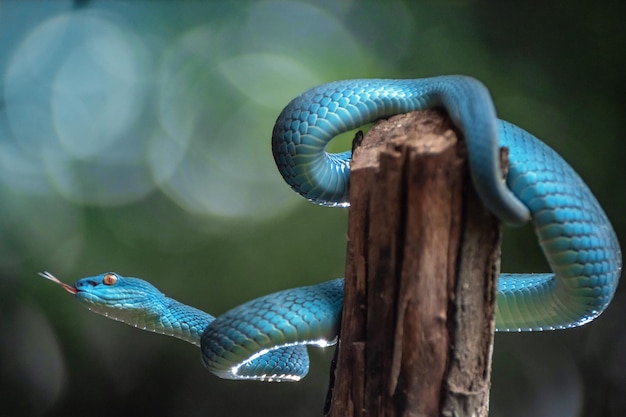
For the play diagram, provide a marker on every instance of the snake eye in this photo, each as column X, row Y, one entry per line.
column 109, row 279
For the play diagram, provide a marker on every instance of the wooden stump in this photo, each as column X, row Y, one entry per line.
column 422, row 261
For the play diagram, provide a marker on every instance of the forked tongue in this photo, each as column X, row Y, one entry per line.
column 66, row 287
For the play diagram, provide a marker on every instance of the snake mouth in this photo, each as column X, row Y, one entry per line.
column 47, row 275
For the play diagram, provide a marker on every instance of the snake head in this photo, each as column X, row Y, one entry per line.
column 138, row 303
column 85, row 285
column 112, row 295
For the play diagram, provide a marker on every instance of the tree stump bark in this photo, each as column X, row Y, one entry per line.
column 422, row 261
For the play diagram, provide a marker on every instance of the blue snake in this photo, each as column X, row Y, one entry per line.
column 266, row 338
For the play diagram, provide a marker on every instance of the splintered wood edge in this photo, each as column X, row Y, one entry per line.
column 431, row 126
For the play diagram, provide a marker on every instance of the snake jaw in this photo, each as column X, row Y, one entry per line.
column 66, row 287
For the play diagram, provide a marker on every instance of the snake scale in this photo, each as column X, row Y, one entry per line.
column 266, row 338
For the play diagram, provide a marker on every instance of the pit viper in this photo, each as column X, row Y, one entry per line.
column 266, row 338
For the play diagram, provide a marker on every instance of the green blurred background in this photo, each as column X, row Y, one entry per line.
column 135, row 137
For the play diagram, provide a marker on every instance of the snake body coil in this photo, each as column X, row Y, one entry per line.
column 265, row 338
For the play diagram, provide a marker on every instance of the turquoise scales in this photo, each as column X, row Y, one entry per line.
column 573, row 231
column 265, row 338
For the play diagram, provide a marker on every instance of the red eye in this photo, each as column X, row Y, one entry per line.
column 109, row 279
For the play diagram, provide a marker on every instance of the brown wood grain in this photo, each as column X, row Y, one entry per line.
column 422, row 259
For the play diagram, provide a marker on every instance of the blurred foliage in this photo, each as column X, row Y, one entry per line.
column 134, row 136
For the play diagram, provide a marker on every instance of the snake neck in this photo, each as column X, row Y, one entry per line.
column 162, row 315
column 181, row 321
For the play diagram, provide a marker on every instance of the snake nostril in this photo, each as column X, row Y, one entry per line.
column 86, row 282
